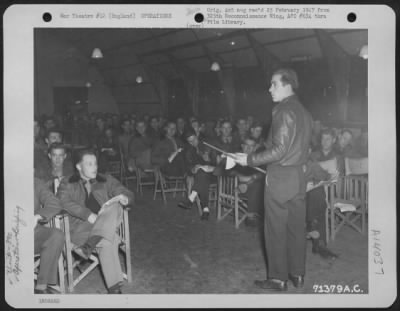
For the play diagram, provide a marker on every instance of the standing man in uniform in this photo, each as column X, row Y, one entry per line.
column 284, row 203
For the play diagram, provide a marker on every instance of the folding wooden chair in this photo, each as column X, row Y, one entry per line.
column 347, row 199
column 229, row 202
column 127, row 175
column 115, row 169
column 123, row 231
column 145, row 178
column 169, row 184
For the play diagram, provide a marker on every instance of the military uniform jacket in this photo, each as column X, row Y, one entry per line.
column 72, row 194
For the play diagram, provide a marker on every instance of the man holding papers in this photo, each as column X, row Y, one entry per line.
column 94, row 218
column 285, row 210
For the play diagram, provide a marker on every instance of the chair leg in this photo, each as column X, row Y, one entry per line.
column 161, row 180
column 127, row 248
column 68, row 252
column 155, row 185
column 327, row 224
column 199, row 206
column 61, row 273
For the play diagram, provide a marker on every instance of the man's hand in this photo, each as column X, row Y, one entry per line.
column 173, row 155
column 37, row 218
column 123, row 199
column 195, row 168
column 239, row 158
column 92, row 218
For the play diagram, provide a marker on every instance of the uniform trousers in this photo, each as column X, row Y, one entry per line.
column 202, row 181
column 48, row 242
column 105, row 226
column 316, row 207
column 284, row 222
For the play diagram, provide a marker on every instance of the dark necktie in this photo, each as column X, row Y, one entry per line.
column 88, row 189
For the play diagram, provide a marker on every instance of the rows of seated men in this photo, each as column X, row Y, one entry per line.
column 145, row 143
column 151, row 141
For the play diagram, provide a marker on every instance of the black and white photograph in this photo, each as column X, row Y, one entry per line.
column 201, row 159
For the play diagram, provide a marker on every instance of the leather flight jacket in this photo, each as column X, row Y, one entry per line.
column 289, row 136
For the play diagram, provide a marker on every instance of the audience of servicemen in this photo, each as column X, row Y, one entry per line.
column 72, row 157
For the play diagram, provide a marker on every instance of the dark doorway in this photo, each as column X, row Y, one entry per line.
column 70, row 101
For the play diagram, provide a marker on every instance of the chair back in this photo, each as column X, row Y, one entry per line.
column 357, row 166
column 331, row 166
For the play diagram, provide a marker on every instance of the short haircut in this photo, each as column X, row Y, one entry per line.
column 346, row 131
column 140, row 121
column 56, row 146
column 328, row 131
column 54, row 130
column 189, row 133
column 125, row 120
column 83, row 152
column 226, row 121
column 249, row 138
column 256, row 124
column 288, row 76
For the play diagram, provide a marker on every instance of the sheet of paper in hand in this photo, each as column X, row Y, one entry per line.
column 108, row 204
column 211, row 61
column 230, row 163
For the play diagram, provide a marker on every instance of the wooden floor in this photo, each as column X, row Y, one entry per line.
column 173, row 251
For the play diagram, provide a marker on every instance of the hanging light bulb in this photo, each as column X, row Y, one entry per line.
column 215, row 67
column 97, row 53
column 139, row 79
column 364, row 52
column 88, row 84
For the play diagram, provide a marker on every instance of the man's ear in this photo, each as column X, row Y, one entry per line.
column 49, row 155
column 78, row 167
column 46, row 140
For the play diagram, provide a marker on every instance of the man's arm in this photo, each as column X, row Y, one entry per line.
column 51, row 204
column 283, row 125
column 69, row 204
column 114, row 188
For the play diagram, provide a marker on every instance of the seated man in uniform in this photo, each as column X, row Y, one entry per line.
column 93, row 224
column 241, row 130
column 125, row 137
column 53, row 135
column 251, row 184
column 55, row 169
column 226, row 142
column 200, row 167
column 256, row 131
column 315, row 198
column 140, row 146
column 167, row 153
column 48, row 242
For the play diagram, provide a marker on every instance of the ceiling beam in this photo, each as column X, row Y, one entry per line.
column 189, row 44
column 306, row 37
column 261, row 52
column 133, row 43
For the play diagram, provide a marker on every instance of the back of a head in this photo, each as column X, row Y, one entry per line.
column 288, row 76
